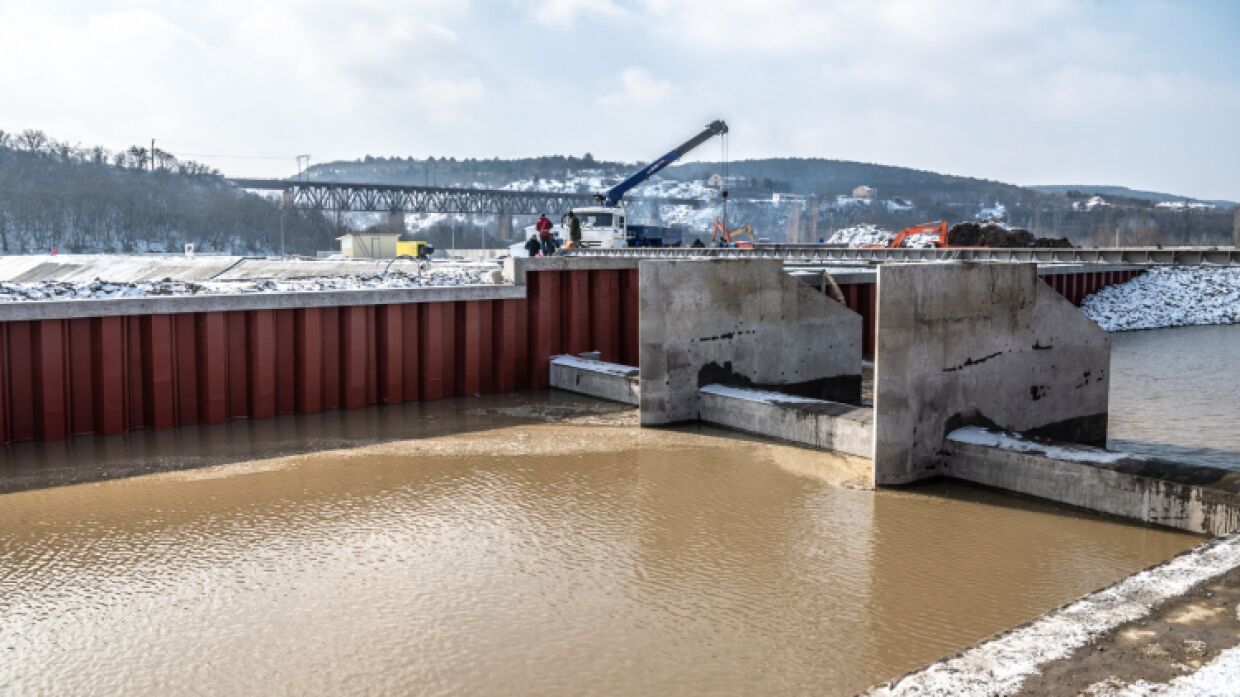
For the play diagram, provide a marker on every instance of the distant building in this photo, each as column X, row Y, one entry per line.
column 369, row 245
column 864, row 191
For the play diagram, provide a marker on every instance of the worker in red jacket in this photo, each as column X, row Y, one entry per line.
column 543, row 226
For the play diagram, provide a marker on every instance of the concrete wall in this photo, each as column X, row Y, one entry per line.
column 980, row 344
column 741, row 323
column 825, row 425
column 1202, row 500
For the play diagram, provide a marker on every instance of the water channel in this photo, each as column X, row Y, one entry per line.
column 521, row 544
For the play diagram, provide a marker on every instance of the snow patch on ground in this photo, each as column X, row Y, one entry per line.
column 996, row 439
column 995, row 212
column 1168, row 297
column 431, row 277
column 861, row 235
column 999, row 666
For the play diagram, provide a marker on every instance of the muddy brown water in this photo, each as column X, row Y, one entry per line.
column 539, row 545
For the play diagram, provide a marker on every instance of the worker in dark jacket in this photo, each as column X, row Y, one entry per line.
column 543, row 226
column 574, row 231
column 533, row 246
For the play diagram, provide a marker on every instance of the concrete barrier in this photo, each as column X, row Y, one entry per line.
column 610, row 381
column 814, row 422
column 980, row 344
column 1203, row 500
column 740, row 323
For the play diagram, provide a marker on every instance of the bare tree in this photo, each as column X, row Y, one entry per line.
column 31, row 140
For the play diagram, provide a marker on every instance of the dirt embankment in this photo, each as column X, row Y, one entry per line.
column 1174, row 640
column 992, row 235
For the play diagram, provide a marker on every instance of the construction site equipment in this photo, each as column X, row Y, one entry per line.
column 932, row 234
column 417, row 249
column 612, row 198
column 720, row 235
column 604, row 226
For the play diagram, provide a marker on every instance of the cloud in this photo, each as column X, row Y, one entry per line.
column 562, row 13
column 637, row 89
column 445, row 99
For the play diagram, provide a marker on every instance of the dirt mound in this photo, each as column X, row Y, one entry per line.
column 992, row 235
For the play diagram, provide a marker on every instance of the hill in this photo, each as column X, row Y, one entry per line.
column 807, row 199
column 1123, row 192
column 54, row 195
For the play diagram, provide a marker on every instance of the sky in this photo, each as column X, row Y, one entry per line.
column 1136, row 93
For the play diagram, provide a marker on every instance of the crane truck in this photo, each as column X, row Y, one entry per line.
column 606, row 226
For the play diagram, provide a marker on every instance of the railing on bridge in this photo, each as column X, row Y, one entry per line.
column 401, row 198
column 812, row 254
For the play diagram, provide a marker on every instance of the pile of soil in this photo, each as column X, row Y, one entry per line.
column 991, row 235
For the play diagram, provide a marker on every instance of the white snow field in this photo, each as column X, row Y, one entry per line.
column 861, row 235
column 431, row 276
column 1168, row 297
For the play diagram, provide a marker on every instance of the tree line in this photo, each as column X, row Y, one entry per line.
column 55, row 195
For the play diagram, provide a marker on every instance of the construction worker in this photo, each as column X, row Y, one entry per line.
column 533, row 247
column 574, row 231
column 543, row 226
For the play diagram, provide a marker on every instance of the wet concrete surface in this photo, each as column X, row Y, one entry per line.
column 521, row 544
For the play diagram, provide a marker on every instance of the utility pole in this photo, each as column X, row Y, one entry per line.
column 285, row 201
column 152, row 155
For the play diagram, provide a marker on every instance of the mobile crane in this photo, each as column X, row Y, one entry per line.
column 604, row 225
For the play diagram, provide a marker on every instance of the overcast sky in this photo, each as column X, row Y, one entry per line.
column 1143, row 94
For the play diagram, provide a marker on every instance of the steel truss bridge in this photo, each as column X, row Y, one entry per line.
column 817, row 254
column 401, row 198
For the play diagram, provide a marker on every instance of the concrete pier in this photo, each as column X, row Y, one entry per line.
column 980, row 344
column 742, row 324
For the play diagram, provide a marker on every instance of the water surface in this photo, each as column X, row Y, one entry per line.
column 1175, row 394
column 500, row 553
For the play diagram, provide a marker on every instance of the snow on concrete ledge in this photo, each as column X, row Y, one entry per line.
column 610, row 381
column 764, row 396
column 594, row 366
column 1006, row 441
column 999, row 666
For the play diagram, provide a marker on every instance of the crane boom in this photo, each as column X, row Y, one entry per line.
column 617, row 192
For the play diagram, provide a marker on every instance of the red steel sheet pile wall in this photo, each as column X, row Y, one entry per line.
column 105, row 375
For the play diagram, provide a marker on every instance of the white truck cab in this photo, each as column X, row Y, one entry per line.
column 602, row 227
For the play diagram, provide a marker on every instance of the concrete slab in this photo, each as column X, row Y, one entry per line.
column 814, row 422
column 610, row 381
column 84, row 268
column 980, row 344
column 1203, row 500
column 740, row 323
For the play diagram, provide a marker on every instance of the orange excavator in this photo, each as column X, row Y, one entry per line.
column 721, row 236
column 937, row 229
